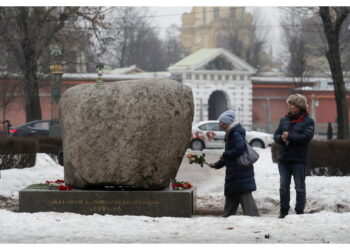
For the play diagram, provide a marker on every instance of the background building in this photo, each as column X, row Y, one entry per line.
column 269, row 101
column 227, row 27
column 200, row 28
column 219, row 81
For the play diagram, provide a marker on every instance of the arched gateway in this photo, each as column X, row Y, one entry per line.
column 217, row 104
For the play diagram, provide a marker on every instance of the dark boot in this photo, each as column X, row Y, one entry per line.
column 283, row 213
column 299, row 212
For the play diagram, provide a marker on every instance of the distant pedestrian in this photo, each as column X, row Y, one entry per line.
column 239, row 181
column 294, row 133
column 329, row 131
column 9, row 125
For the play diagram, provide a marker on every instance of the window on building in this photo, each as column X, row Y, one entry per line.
column 205, row 77
column 219, row 63
column 227, row 77
column 216, row 13
column 197, row 76
column 212, row 77
column 219, row 77
column 188, row 76
column 234, row 78
column 241, row 77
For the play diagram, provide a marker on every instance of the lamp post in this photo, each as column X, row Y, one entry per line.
column 99, row 69
column 268, row 123
column 56, row 70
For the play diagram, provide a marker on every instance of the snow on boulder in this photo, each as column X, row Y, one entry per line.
column 127, row 133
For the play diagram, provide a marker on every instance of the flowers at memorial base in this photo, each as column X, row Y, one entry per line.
column 193, row 158
column 59, row 184
column 63, row 187
column 55, row 182
column 178, row 185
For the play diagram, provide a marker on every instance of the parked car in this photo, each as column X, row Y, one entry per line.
column 208, row 134
column 33, row 128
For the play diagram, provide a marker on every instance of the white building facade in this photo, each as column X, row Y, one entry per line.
column 219, row 81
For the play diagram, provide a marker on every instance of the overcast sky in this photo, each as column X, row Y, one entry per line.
column 165, row 16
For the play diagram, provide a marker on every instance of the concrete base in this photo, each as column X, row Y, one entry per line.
column 176, row 203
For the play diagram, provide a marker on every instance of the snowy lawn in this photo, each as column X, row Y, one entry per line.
column 327, row 218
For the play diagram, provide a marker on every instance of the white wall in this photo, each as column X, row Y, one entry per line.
column 237, row 87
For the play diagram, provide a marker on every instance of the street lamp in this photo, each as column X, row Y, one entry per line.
column 56, row 70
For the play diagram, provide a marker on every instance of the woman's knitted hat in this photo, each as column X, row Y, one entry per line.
column 297, row 100
column 227, row 117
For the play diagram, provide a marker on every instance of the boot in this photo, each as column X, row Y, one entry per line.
column 299, row 212
column 283, row 213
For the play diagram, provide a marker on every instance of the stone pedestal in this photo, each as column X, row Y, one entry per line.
column 173, row 203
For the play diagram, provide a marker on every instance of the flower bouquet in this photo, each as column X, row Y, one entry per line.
column 192, row 158
column 179, row 185
column 52, row 185
column 59, row 184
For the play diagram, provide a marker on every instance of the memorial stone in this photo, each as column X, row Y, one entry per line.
column 122, row 143
column 129, row 133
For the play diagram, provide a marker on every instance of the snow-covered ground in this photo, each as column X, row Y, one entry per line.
column 327, row 218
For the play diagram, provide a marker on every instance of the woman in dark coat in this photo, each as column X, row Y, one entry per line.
column 293, row 134
column 239, row 181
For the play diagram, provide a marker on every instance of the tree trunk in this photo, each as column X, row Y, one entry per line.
column 333, row 57
column 3, row 104
column 31, row 88
column 29, row 67
column 32, row 104
column 332, row 24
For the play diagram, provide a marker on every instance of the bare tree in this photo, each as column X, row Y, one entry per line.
column 256, row 54
column 243, row 38
column 173, row 50
column 133, row 40
column 8, row 90
column 345, row 46
column 123, row 24
column 333, row 18
column 327, row 36
column 147, row 49
column 28, row 32
column 295, row 26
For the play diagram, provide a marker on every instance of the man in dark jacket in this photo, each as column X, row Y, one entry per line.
column 239, row 181
column 293, row 134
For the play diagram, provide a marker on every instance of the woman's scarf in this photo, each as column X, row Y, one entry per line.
column 296, row 118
